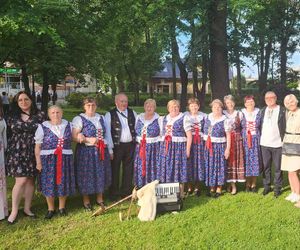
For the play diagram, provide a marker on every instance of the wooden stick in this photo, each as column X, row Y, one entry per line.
column 101, row 210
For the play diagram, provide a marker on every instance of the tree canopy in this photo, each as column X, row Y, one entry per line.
column 126, row 41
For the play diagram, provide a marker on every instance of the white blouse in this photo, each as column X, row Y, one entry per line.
column 195, row 120
column 77, row 124
column 231, row 117
column 187, row 126
column 58, row 130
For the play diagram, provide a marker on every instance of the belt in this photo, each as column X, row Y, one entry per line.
column 288, row 133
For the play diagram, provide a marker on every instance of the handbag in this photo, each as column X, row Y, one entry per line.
column 291, row 149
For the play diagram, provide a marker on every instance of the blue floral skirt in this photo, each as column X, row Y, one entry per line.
column 47, row 183
column 92, row 174
column 173, row 163
column 152, row 161
column 215, row 165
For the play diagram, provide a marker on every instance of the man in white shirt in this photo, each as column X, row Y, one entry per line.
column 272, row 133
column 121, row 124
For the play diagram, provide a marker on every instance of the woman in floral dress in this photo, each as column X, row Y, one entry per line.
column 196, row 168
column 147, row 148
column 20, row 160
column 251, row 137
column 54, row 159
column 217, row 148
column 175, row 146
column 93, row 154
column 236, row 167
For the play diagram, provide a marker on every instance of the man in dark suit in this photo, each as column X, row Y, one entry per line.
column 121, row 124
column 273, row 124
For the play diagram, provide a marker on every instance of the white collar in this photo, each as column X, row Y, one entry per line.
column 96, row 116
column 142, row 118
column 212, row 119
column 174, row 119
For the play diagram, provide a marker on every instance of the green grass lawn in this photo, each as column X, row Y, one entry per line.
column 243, row 221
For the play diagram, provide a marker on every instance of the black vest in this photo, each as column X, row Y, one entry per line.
column 116, row 128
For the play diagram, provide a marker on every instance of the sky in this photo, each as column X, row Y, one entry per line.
column 249, row 70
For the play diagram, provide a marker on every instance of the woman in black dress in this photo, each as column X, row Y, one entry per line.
column 20, row 159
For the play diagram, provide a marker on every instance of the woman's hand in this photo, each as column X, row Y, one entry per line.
column 39, row 166
column 226, row 153
column 93, row 140
column 80, row 138
column 188, row 153
column 111, row 156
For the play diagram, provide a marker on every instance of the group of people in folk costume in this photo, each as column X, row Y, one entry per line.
column 226, row 145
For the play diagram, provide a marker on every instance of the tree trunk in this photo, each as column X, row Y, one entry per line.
column 218, row 67
column 263, row 77
column 183, row 72
column 204, row 74
column 24, row 75
column 33, row 88
column 238, row 76
column 54, row 94
column 174, row 78
column 121, row 85
column 45, row 91
column 194, row 65
column 148, row 44
column 113, row 86
column 283, row 59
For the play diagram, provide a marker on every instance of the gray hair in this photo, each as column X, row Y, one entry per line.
column 289, row 98
column 229, row 97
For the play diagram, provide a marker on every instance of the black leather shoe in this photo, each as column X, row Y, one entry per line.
column 266, row 191
column 277, row 193
column 197, row 192
column 62, row 212
column 217, row 195
column 49, row 215
column 88, row 207
column 32, row 216
column 254, row 190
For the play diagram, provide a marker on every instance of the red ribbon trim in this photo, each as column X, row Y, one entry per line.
column 249, row 139
column 168, row 139
column 101, row 147
column 196, row 137
column 208, row 145
column 142, row 154
column 58, row 152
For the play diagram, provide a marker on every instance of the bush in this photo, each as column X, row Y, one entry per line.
column 75, row 99
column 103, row 101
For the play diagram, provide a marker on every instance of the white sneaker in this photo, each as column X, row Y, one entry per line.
column 289, row 197
column 295, row 198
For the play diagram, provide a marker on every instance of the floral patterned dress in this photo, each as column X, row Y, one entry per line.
column 173, row 160
column 251, row 139
column 92, row 163
column 236, row 166
column 196, row 165
column 20, row 161
column 3, row 145
column 57, row 177
column 215, row 139
column 147, row 149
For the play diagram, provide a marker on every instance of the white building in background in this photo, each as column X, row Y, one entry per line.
column 10, row 79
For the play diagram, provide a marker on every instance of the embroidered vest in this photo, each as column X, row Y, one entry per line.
column 116, row 127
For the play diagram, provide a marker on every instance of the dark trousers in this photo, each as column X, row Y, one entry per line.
column 123, row 153
column 269, row 155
